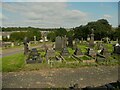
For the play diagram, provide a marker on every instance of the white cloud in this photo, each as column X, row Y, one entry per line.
column 107, row 16
column 44, row 15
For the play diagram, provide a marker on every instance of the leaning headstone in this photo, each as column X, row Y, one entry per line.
column 70, row 42
column 58, row 43
column 26, row 48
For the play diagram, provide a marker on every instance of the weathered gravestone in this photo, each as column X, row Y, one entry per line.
column 91, row 52
column 26, row 48
column 81, row 40
column 105, row 52
column 65, row 51
column 50, row 54
column 91, row 42
column 34, row 57
column 70, row 42
column 78, row 51
column 44, row 43
column 117, row 49
column 76, row 43
column 58, row 43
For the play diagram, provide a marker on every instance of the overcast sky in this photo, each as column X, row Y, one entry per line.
column 56, row 14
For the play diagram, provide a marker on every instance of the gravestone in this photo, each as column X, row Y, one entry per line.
column 35, row 40
column 81, row 40
column 105, row 52
column 34, row 57
column 98, row 45
column 12, row 44
column 58, row 43
column 50, row 54
column 26, row 48
column 88, row 38
column 76, row 43
column 65, row 51
column 64, row 41
column 70, row 42
column 78, row 51
column 91, row 52
column 117, row 48
column 91, row 42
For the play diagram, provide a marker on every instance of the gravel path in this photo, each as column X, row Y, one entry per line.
column 85, row 76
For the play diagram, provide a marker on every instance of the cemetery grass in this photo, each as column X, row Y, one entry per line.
column 17, row 63
column 13, row 63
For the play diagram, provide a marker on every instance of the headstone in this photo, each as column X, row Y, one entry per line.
column 117, row 48
column 64, row 41
column 35, row 39
column 88, row 38
column 50, row 54
column 12, row 44
column 91, row 52
column 78, row 51
column 26, row 48
column 91, row 42
column 65, row 52
column 34, row 57
column 105, row 52
column 82, row 41
column 44, row 43
column 76, row 43
column 58, row 43
column 70, row 42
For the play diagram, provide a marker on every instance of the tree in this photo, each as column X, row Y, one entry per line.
column 51, row 36
column 101, row 29
column 60, row 32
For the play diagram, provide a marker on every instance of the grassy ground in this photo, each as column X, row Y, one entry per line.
column 16, row 62
column 13, row 63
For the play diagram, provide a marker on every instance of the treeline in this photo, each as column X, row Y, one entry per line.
column 8, row 29
column 19, row 36
column 101, row 27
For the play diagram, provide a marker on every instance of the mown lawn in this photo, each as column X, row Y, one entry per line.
column 13, row 63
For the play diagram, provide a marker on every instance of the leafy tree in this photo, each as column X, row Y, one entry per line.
column 51, row 36
column 101, row 29
column 61, row 32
